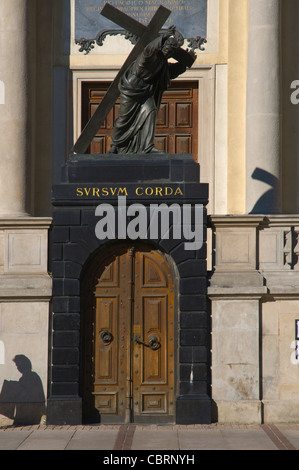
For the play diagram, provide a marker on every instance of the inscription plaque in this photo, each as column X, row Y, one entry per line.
column 189, row 16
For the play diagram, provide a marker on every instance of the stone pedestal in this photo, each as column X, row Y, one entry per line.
column 92, row 180
column 25, row 293
column 255, row 302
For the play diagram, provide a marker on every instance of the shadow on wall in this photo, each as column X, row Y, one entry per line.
column 267, row 202
column 23, row 400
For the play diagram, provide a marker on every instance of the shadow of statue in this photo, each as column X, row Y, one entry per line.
column 267, row 203
column 23, row 401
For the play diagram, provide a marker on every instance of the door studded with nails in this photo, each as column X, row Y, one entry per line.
column 130, row 341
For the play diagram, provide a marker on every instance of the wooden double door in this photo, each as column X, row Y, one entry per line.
column 131, row 341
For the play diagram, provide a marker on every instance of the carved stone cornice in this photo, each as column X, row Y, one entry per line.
column 86, row 45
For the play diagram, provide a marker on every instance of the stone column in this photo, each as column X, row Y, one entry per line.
column 263, row 108
column 14, row 107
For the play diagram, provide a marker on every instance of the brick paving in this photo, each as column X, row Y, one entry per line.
column 150, row 437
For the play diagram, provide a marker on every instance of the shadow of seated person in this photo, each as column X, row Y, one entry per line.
column 23, row 400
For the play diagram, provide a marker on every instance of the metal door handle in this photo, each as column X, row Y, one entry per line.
column 153, row 343
column 106, row 336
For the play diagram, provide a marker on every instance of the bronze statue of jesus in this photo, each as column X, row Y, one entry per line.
column 141, row 89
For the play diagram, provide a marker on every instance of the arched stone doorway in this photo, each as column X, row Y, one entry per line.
column 129, row 336
column 75, row 248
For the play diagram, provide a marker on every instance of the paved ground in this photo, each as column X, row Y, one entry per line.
column 150, row 438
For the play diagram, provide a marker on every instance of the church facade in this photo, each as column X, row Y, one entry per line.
column 118, row 323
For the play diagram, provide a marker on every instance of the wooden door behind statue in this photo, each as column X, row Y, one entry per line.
column 176, row 124
column 131, row 340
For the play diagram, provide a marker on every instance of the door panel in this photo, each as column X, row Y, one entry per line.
column 154, row 386
column 177, row 120
column 106, row 350
column 133, row 331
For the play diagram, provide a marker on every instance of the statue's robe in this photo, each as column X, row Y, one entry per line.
column 141, row 89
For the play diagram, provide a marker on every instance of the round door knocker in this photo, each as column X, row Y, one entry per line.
column 106, row 337
column 154, row 343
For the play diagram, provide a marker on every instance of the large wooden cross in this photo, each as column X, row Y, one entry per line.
column 145, row 35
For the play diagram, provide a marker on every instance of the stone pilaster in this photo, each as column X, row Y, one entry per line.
column 263, row 109
column 14, row 110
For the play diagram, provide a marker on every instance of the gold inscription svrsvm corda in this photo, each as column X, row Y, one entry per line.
column 144, row 191
column 101, row 192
